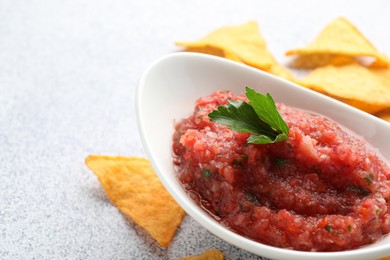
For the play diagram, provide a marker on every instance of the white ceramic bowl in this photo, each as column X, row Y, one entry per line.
column 167, row 91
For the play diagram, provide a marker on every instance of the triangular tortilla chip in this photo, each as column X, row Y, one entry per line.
column 281, row 71
column 207, row 255
column 383, row 74
column 384, row 258
column 244, row 41
column 133, row 187
column 385, row 115
column 353, row 84
column 216, row 52
column 311, row 61
column 340, row 37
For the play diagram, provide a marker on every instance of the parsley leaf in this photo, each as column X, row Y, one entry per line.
column 259, row 117
column 266, row 109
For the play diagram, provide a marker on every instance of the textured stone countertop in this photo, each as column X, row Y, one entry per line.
column 68, row 74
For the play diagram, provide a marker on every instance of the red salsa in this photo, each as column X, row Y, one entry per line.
column 323, row 189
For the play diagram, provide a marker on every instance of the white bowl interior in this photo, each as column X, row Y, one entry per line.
column 167, row 92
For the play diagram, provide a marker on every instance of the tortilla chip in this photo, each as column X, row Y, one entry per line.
column 133, row 187
column 384, row 258
column 352, row 84
column 244, row 41
column 311, row 61
column 383, row 75
column 281, row 71
column 342, row 38
column 216, row 52
column 385, row 115
column 207, row 255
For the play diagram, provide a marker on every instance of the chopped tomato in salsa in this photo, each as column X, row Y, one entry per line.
column 323, row 189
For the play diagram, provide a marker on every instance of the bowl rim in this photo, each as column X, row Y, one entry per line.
column 219, row 230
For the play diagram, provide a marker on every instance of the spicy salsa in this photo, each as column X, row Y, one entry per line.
column 322, row 189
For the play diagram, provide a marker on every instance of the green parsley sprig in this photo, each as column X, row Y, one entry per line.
column 259, row 117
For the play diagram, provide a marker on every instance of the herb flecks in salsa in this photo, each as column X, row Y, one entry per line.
column 300, row 194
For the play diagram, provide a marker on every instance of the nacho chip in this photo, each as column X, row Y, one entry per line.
column 244, row 41
column 216, row 52
column 342, row 38
column 133, row 187
column 207, row 255
column 383, row 75
column 385, row 115
column 352, row 84
column 281, row 71
column 311, row 61
column 384, row 258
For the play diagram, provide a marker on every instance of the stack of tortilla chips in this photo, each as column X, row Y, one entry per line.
column 344, row 64
column 344, row 72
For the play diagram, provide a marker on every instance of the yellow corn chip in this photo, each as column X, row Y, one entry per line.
column 207, row 255
column 385, row 115
column 280, row 71
column 384, row 258
column 311, row 61
column 207, row 50
column 340, row 37
column 216, row 52
column 244, row 41
column 383, row 74
column 133, row 187
column 352, row 84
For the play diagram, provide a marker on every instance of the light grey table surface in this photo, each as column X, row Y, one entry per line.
column 68, row 74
